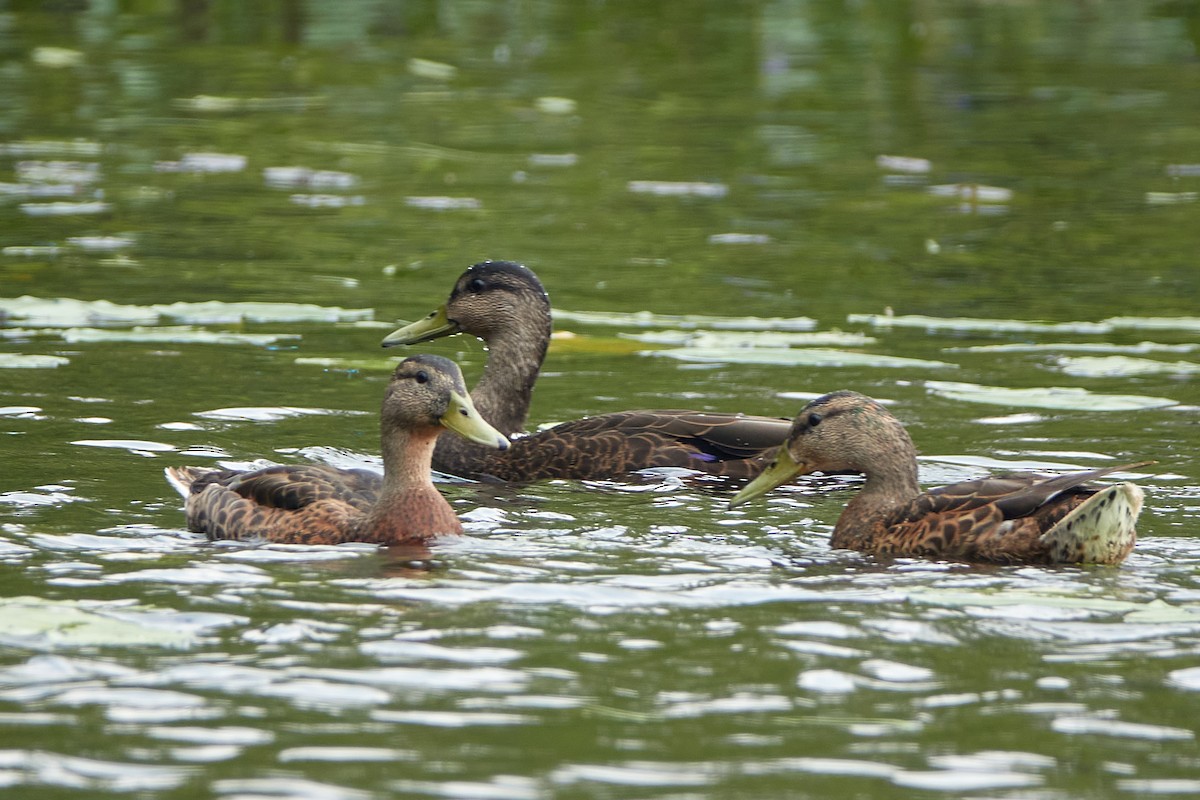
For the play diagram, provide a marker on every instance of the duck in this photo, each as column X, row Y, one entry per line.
column 314, row 504
column 505, row 304
column 1007, row 519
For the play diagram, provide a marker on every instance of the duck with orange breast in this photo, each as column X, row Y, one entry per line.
column 311, row 504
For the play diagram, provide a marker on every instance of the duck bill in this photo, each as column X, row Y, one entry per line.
column 781, row 470
column 462, row 418
column 434, row 326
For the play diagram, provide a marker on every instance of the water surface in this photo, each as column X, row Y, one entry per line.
column 982, row 214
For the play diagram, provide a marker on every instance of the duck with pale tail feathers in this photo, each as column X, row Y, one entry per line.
column 1010, row 519
column 505, row 305
column 309, row 504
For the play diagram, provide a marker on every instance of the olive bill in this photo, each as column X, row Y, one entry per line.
column 780, row 471
column 433, row 326
column 462, row 418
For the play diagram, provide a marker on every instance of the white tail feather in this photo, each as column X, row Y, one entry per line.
column 1102, row 530
column 182, row 478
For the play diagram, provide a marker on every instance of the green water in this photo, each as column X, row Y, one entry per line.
column 617, row 640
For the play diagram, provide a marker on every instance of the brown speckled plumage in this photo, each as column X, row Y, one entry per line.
column 307, row 504
column 505, row 305
column 1020, row 518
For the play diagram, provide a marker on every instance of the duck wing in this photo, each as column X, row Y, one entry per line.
column 293, row 503
column 291, row 487
column 612, row 445
column 1017, row 519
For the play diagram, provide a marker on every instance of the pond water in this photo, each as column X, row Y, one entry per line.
column 210, row 213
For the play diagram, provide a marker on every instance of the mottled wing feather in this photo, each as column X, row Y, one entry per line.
column 221, row 513
column 998, row 519
column 974, row 534
column 612, row 445
column 291, row 487
column 1017, row 495
column 304, row 504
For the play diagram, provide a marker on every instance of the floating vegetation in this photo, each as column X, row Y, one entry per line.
column 64, row 209
column 39, row 189
column 204, row 163
column 217, row 104
column 433, row 70
column 1123, row 366
column 972, row 324
column 80, row 148
column 1171, row 198
column 905, row 164
column 101, row 244
column 303, row 177
column 21, row 361
column 32, row 251
column 214, row 311
column 326, row 200
column 1066, row 398
column 1024, row 326
column 71, row 172
column 172, row 335
column 701, row 338
column 972, row 192
column 1156, row 323
column 1076, row 347
column 444, row 203
column 348, row 364
column 69, row 313
column 56, row 57
column 788, row 357
column 553, row 159
column 1024, row 418
column 679, row 188
column 647, row 319
column 41, row 624
column 555, row 105
column 739, row 238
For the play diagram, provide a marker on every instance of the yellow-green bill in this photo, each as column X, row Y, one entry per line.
column 781, row 470
column 462, row 418
column 436, row 325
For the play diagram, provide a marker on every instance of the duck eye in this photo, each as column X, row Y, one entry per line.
column 814, row 420
column 476, row 285
column 422, row 377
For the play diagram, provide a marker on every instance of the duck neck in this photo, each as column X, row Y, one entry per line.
column 891, row 482
column 515, row 356
column 410, row 508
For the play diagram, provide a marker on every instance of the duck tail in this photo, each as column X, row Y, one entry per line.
column 182, row 478
column 1100, row 530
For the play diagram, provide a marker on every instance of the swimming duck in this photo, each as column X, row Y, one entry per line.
column 310, row 504
column 505, row 305
column 1020, row 518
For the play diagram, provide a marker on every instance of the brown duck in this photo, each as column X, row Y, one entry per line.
column 504, row 304
column 1009, row 519
column 309, row 504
